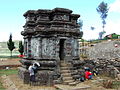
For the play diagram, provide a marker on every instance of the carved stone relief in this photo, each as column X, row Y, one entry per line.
column 75, row 47
column 35, row 47
column 48, row 48
column 68, row 47
column 25, row 47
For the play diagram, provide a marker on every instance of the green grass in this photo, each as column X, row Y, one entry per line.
column 116, row 84
column 5, row 54
column 8, row 72
column 9, row 57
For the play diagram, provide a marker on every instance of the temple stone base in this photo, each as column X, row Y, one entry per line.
column 42, row 77
column 24, row 75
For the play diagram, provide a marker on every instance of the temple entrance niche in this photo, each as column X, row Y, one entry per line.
column 62, row 49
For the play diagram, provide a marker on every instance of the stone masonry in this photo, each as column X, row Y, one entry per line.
column 50, row 36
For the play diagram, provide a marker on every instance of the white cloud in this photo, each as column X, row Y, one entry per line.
column 90, row 34
column 115, row 7
column 113, row 27
column 4, row 36
column 110, row 27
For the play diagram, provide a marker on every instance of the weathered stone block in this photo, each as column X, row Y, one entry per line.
column 24, row 74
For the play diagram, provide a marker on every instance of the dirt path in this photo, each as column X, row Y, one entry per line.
column 13, row 82
column 9, row 63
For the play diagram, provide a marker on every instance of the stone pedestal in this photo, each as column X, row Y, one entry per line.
column 41, row 77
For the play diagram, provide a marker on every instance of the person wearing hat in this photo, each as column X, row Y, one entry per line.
column 32, row 70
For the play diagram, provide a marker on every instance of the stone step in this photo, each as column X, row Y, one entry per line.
column 74, row 72
column 67, row 78
column 68, row 81
column 64, row 64
column 65, row 71
column 76, row 76
column 57, row 82
column 65, row 68
column 73, row 83
column 66, row 74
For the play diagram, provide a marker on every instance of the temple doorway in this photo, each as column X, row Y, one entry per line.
column 61, row 49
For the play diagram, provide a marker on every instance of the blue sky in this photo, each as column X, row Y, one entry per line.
column 12, row 20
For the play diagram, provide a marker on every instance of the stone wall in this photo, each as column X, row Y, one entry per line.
column 104, row 57
column 109, row 67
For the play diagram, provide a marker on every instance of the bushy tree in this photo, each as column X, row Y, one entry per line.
column 92, row 28
column 103, row 9
column 21, row 48
column 10, row 44
column 80, row 22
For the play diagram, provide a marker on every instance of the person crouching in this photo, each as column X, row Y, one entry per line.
column 88, row 74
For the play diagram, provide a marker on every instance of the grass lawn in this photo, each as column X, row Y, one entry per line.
column 116, row 84
column 7, row 72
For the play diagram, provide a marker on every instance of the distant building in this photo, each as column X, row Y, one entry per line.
column 112, row 36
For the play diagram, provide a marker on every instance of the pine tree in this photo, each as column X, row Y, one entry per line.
column 10, row 44
column 21, row 48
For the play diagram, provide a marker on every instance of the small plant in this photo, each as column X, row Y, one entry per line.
column 1, row 86
column 83, row 56
column 21, row 49
column 116, row 85
column 108, row 84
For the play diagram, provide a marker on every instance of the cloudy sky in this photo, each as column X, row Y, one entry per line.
column 12, row 20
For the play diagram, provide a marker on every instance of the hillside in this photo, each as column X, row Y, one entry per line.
column 105, row 49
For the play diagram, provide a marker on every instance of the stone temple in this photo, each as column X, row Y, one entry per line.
column 50, row 38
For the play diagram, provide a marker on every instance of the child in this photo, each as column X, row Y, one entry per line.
column 32, row 70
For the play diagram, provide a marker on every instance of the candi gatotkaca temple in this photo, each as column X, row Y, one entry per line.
column 51, row 38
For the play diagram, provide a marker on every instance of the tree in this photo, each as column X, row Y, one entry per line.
column 103, row 9
column 101, row 34
column 10, row 44
column 92, row 28
column 80, row 23
column 21, row 48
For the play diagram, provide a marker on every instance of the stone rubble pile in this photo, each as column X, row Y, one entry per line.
column 109, row 67
column 104, row 50
column 105, row 58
